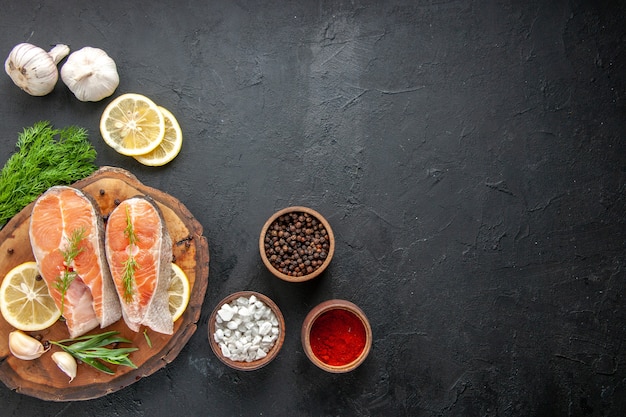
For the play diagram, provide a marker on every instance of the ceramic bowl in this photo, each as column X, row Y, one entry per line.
column 271, row 354
column 300, row 272
column 357, row 324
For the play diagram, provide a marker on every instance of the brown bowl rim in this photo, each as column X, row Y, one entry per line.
column 331, row 246
column 317, row 311
column 254, row 365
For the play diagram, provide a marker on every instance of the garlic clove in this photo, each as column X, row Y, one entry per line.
column 90, row 74
column 66, row 363
column 33, row 69
column 25, row 347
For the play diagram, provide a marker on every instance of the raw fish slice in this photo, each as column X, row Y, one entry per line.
column 92, row 267
column 77, row 307
column 142, row 290
column 58, row 215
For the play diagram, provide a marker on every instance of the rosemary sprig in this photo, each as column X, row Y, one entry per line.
column 92, row 350
column 44, row 157
column 69, row 254
column 130, row 265
column 148, row 341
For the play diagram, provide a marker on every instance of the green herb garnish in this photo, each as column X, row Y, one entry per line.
column 130, row 265
column 73, row 249
column 148, row 341
column 91, row 350
column 44, row 157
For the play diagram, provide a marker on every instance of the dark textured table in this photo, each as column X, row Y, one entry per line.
column 470, row 157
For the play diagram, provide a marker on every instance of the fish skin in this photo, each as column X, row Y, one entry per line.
column 149, row 305
column 90, row 300
column 109, row 309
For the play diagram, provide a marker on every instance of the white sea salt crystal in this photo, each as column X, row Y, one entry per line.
column 226, row 312
column 265, row 327
column 225, row 350
column 218, row 335
column 233, row 324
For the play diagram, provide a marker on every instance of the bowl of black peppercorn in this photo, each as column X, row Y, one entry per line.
column 296, row 244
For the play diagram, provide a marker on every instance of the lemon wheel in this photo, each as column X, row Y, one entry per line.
column 179, row 292
column 132, row 124
column 25, row 302
column 170, row 145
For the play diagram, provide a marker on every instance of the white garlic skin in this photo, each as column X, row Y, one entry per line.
column 25, row 347
column 34, row 70
column 90, row 74
column 66, row 363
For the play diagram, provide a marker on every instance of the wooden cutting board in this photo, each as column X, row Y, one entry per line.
column 41, row 378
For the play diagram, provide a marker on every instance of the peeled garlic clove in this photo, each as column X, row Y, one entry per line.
column 90, row 74
column 25, row 347
column 66, row 363
column 34, row 70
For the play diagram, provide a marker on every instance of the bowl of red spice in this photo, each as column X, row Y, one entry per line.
column 336, row 336
column 296, row 244
column 246, row 330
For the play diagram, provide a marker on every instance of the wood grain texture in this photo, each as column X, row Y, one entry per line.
column 41, row 378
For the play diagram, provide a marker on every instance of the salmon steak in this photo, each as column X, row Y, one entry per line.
column 139, row 253
column 67, row 238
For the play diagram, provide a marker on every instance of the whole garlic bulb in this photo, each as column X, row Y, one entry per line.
column 90, row 74
column 34, row 70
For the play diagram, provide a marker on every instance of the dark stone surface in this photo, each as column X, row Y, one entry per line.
column 469, row 155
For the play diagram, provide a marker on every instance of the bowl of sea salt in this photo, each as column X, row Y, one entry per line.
column 246, row 330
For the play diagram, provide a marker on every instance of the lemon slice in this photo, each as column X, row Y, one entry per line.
column 178, row 292
column 132, row 124
column 170, row 145
column 25, row 301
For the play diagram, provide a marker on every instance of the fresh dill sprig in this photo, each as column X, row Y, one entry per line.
column 44, row 157
column 69, row 254
column 130, row 265
column 92, row 350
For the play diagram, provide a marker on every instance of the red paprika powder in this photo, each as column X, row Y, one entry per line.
column 337, row 337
